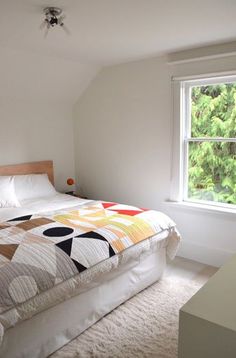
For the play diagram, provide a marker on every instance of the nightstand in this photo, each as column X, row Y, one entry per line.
column 72, row 193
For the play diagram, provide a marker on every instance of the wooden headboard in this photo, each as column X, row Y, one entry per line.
column 29, row 168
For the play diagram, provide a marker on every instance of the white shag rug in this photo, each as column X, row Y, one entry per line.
column 144, row 326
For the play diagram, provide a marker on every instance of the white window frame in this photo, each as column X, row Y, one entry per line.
column 182, row 136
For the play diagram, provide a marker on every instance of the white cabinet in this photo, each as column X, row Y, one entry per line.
column 207, row 325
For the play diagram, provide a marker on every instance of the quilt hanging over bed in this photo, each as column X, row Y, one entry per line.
column 40, row 251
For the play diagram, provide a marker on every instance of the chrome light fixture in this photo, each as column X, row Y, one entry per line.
column 53, row 18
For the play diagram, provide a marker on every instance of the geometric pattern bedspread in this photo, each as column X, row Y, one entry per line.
column 40, row 251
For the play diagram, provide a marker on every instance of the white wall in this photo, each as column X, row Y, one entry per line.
column 37, row 131
column 123, row 145
column 37, row 94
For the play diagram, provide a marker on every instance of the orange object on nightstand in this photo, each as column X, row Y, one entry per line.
column 70, row 181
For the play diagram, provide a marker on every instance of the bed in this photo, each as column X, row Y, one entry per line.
column 65, row 262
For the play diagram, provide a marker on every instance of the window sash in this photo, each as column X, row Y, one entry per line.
column 186, row 138
column 210, row 139
column 186, row 176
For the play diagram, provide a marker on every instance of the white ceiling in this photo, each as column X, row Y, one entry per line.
column 105, row 32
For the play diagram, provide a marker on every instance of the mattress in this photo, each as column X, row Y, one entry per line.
column 49, row 330
column 167, row 237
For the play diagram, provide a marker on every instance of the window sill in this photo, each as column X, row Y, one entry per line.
column 203, row 208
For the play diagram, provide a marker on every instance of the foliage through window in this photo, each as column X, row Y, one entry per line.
column 210, row 141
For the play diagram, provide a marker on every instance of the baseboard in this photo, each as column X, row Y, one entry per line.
column 205, row 254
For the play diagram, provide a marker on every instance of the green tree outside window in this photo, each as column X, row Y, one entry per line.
column 212, row 164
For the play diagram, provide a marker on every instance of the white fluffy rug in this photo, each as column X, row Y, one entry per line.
column 144, row 326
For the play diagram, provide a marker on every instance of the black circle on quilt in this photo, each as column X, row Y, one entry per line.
column 58, row 231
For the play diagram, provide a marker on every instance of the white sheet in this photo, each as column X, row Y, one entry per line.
column 33, row 206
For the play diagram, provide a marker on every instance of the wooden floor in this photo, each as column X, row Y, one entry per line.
column 184, row 268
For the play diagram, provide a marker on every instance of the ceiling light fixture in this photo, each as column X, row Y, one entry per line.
column 53, row 18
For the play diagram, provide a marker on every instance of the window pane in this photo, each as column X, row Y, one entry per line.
column 212, row 171
column 213, row 111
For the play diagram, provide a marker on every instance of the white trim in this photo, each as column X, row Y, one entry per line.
column 177, row 165
column 207, row 52
column 205, row 81
column 182, row 137
column 201, row 58
column 205, row 254
column 203, row 76
column 186, row 118
column 227, row 211
column 210, row 139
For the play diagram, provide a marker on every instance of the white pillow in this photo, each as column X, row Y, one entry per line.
column 33, row 186
column 7, row 192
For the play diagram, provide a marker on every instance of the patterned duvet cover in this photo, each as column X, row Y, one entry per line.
column 43, row 252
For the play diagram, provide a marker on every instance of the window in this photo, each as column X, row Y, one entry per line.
column 207, row 156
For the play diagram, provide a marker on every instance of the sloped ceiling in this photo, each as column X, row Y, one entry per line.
column 103, row 32
column 26, row 75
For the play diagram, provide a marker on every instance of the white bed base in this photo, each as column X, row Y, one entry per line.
column 50, row 330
